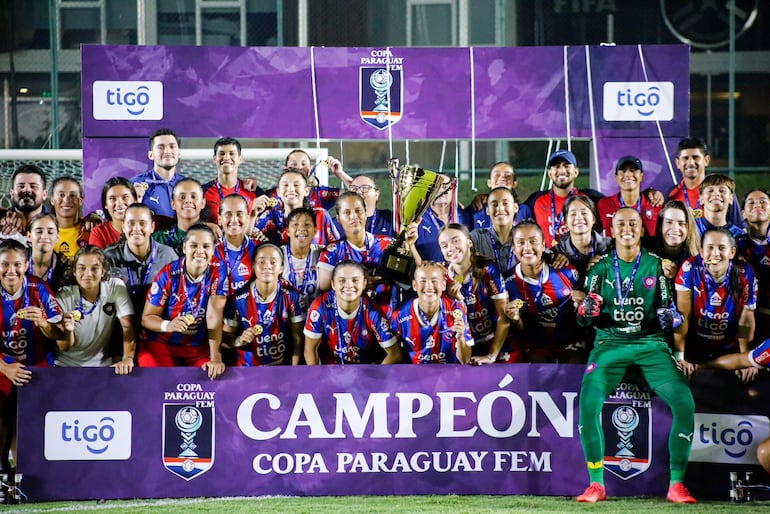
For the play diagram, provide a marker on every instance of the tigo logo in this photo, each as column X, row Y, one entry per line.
column 638, row 101
column 128, row 100
column 728, row 438
column 88, row 435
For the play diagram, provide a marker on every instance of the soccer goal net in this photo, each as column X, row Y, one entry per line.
column 264, row 164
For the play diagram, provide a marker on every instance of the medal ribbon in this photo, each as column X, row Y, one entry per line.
column 343, row 323
column 497, row 246
column 293, row 273
column 219, row 188
column 638, row 202
column 622, row 295
column 188, row 304
column 153, row 254
column 82, row 309
column 7, row 299
column 556, row 223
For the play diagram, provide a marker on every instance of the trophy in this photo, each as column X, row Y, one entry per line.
column 414, row 191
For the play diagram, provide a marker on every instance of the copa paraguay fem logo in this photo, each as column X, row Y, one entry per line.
column 188, row 431
column 381, row 89
column 627, row 426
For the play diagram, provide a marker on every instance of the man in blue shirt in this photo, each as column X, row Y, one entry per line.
column 155, row 187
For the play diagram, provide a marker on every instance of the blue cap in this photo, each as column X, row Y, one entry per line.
column 562, row 154
column 629, row 158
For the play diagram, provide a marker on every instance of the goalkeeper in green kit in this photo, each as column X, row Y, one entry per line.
column 629, row 303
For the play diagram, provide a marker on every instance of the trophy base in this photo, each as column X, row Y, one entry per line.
column 397, row 268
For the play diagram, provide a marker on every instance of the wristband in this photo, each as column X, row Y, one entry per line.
column 679, row 356
column 492, row 357
column 164, row 325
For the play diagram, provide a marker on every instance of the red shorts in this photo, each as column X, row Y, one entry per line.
column 6, row 386
column 154, row 355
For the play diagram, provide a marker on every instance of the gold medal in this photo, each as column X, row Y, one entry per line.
column 76, row 315
column 457, row 314
column 143, row 185
column 518, row 303
column 697, row 213
column 257, row 329
column 21, row 313
column 667, row 262
column 272, row 202
column 189, row 318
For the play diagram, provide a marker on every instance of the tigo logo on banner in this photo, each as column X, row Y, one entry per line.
column 728, row 438
column 638, row 101
column 128, row 100
column 88, row 435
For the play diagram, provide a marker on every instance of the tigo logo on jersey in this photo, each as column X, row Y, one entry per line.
column 728, row 438
column 638, row 101
column 128, row 100
column 88, row 435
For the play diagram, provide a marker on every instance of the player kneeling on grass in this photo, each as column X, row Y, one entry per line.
column 759, row 357
column 625, row 289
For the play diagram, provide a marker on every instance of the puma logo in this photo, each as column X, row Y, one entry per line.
column 684, row 436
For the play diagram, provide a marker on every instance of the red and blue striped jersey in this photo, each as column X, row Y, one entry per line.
column 370, row 257
column 430, row 341
column 272, row 223
column 548, row 314
column 177, row 296
column 23, row 341
column 275, row 314
column 757, row 253
column 715, row 311
column 237, row 262
column 355, row 338
column 479, row 299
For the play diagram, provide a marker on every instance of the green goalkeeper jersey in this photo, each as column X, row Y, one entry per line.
column 628, row 312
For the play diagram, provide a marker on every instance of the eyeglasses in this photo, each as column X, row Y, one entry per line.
column 363, row 189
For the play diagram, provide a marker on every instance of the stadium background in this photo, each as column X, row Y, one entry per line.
column 41, row 80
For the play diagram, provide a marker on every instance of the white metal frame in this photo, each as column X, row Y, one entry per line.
column 411, row 4
column 83, row 4
column 215, row 5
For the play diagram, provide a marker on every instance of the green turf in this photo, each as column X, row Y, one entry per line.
column 390, row 505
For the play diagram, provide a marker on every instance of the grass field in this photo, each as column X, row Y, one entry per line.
column 391, row 505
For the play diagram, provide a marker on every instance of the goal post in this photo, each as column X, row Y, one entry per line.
column 264, row 164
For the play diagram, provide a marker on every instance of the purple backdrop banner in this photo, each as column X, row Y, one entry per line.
column 381, row 430
column 268, row 92
column 422, row 93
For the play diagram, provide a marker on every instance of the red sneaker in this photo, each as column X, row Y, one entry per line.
column 678, row 493
column 594, row 493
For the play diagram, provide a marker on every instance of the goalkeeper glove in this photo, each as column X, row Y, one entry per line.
column 591, row 305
